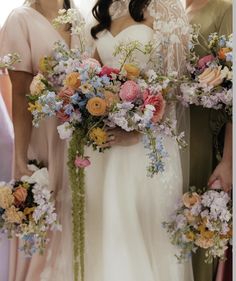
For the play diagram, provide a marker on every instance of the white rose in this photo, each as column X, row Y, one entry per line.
column 65, row 130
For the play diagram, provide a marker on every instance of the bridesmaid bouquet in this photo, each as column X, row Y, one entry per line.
column 27, row 211
column 211, row 76
column 202, row 220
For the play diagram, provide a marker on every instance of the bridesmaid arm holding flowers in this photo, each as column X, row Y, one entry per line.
column 211, row 144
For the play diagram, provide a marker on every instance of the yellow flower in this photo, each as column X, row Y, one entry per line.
column 86, row 88
column 190, row 235
column 45, row 64
column 96, row 106
column 72, row 80
column 35, row 107
column 6, row 197
column 12, row 215
column 131, row 70
column 98, row 135
column 28, row 211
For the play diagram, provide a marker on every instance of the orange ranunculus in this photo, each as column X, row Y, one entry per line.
column 20, row 195
column 131, row 70
column 222, row 53
column 98, row 135
column 190, row 199
column 72, row 80
column 110, row 98
column 96, row 106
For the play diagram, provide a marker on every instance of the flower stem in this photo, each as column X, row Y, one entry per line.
column 77, row 184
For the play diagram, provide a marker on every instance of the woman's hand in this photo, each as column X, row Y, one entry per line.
column 223, row 173
column 121, row 138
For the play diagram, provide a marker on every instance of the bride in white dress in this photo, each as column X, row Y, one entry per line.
column 125, row 209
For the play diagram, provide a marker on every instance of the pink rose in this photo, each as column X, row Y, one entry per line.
column 202, row 63
column 158, row 102
column 129, row 91
column 108, row 71
column 93, row 63
column 82, row 162
column 65, row 94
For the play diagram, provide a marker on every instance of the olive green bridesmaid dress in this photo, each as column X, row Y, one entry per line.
column 207, row 126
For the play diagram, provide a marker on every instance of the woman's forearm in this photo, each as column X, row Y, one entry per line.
column 227, row 153
column 22, row 119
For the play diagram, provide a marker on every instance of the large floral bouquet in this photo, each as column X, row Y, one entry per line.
column 27, row 211
column 210, row 84
column 88, row 98
column 202, row 220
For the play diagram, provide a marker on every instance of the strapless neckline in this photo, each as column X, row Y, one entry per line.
column 128, row 29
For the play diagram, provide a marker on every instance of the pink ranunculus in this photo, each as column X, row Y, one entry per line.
column 108, row 71
column 65, row 94
column 93, row 63
column 82, row 162
column 129, row 91
column 158, row 102
column 62, row 116
column 202, row 63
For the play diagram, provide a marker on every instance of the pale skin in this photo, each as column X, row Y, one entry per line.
column 223, row 171
column 119, row 137
column 22, row 119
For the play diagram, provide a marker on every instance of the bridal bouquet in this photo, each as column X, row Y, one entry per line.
column 27, row 211
column 202, row 220
column 210, row 85
column 87, row 99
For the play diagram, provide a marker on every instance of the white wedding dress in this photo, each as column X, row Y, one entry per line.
column 125, row 240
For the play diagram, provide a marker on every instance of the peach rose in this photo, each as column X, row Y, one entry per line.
column 12, row 215
column 66, row 94
column 211, row 76
column 96, row 106
column 190, row 218
column 204, row 242
column 63, row 116
column 110, row 98
column 190, row 199
column 6, row 197
column 98, row 135
column 20, row 195
column 72, row 80
column 129, row 91
column 132, row 71
column 82, row 162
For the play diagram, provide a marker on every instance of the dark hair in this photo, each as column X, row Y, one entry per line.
column 101, row 13
column 66, row 4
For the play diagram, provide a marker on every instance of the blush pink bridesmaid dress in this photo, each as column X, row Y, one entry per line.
column 32, row 36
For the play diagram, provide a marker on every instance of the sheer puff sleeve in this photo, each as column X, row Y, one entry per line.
column 14, row 38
